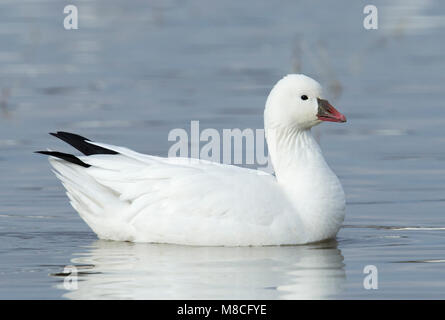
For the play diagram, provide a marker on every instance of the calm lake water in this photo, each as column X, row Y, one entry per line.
column 134, row 70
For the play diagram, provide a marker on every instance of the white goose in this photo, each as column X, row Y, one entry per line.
column 128, row 196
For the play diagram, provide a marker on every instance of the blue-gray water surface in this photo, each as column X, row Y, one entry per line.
column 134, row 70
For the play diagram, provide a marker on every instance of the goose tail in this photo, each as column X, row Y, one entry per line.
column 96, row 204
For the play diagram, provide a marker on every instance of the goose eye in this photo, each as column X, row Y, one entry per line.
column 304, row 97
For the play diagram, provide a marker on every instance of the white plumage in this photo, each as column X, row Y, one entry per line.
column 129, row 196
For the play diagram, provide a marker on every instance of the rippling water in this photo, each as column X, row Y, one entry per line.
column 135, row 70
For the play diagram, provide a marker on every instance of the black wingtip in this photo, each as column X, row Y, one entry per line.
column 67, row 135
column 65, row 156
column 81, row 143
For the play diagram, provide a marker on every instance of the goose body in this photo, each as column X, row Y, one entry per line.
column 127, row 196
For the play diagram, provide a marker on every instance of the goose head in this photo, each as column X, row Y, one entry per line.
column 296, row 101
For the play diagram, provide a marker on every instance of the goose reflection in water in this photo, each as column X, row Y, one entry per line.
column 123, row 270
